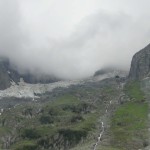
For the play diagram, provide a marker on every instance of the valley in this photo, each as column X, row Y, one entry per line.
column 84, row 116
column 70, row 116
column 74, row 75
column 109, row 111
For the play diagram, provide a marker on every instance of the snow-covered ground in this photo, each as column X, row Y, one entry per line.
column 26, row 90
column 30, row 90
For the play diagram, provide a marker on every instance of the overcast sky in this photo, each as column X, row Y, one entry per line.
column 72, row 38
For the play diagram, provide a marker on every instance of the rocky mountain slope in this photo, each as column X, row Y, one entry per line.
column 140, row 66
column 89, row 116
column 8, row 74
column 21, row 89
column 110, row 72
column 104, row 112
column 60, row 119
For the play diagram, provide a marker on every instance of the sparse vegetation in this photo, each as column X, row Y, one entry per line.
column 30, row 133
column 129, row 122
column 132, row 89
column 63, row 122
column 46, row 119
column 25, row 145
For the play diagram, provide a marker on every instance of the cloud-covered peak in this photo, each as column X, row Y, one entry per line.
column 74, row 39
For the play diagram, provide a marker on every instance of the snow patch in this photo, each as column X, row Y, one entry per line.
column 8, row 72
column 27, row 90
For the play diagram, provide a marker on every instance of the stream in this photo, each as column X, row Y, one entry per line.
column 102, row 128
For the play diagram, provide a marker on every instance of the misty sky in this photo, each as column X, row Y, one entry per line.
column 72, row 38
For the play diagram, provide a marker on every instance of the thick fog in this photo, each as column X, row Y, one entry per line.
column 72, row 38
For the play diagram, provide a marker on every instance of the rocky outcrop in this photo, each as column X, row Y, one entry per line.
column 110, row 72
column 140, row 65
column 5, row 78
column 9, row 74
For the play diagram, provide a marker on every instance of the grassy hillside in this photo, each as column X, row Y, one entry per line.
column 60, row 123
column 129, row 122
column 62, row 120
column 71, row 119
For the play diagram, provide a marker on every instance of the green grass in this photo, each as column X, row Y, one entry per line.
column 25, row 145
column 66, row 99
column 129, row 118
column 129, row 123
column 46, row 130
column 108, row 148
column 78, row 104
column 62, row 110
column 4, row 131
column 132, row 89
column 89, row 122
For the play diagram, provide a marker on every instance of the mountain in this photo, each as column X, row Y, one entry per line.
column 8, row 74
column 94, row 115
column 140, row 65
column 104, row 112
column 110, row 72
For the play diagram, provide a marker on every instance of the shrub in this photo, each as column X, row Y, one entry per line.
column 81, row 108
column 27, row 147
column 46, row 119
column 30, row 133
column 72, row 136
column 53, row 111
column 76, row 118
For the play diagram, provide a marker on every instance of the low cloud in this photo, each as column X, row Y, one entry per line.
column 99, row 40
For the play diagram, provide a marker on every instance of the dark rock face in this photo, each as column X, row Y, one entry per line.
column 4, row 76
column 140, row 65
column 8, row 74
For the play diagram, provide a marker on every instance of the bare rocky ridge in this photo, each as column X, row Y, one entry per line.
column 140, row 66
column 21, row 89
column 9, row 74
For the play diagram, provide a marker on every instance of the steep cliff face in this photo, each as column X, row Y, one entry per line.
column 4, row 76
column 8, row 74
column 140, row 65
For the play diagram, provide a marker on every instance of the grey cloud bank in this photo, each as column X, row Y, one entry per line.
column 41, row 40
